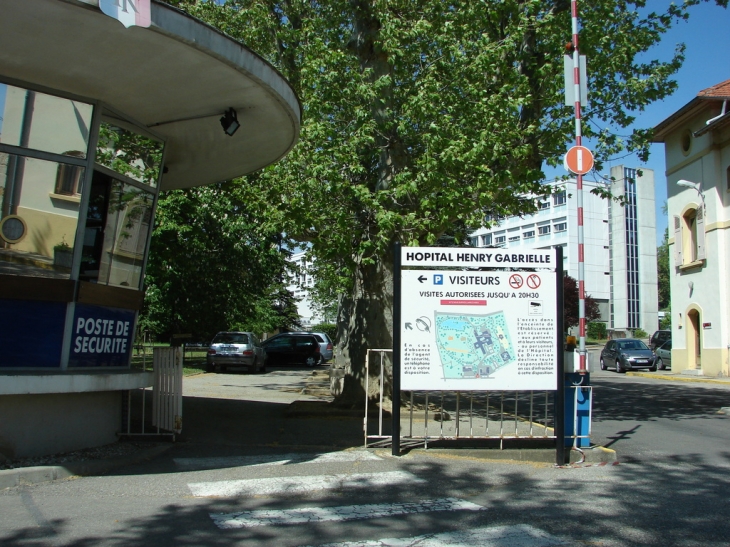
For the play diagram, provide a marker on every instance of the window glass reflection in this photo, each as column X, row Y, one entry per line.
column 115, row 236
column 129, row 153
column 31, row 119
column 40, row 210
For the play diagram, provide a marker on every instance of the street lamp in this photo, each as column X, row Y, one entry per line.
column 695, row 186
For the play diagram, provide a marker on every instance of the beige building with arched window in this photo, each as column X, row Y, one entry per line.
column 697, row 144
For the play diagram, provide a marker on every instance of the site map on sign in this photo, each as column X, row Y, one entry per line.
column 473, row 346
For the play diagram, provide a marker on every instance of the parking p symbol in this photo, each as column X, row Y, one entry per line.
column 438, row 279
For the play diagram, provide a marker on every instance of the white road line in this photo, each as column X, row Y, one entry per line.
column 521, row 535
column 250, row 519
column 294, row 485
column 188, row 464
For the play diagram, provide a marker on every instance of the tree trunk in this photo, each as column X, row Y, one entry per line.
column 365, row 321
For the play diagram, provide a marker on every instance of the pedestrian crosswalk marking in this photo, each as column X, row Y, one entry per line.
column 520, row 535
column 188, row 464
column 305, row 515
column 299, row 484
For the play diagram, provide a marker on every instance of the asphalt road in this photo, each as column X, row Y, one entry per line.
column 650, row 420
column 249, row 474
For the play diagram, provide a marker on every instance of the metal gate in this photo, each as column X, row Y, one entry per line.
column 166, row 418
column 456, row 415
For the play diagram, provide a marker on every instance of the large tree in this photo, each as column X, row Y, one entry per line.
column 423, row 115
column 212, row 267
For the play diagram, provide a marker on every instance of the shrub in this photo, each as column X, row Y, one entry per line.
column 640, row 333
column 596, row 330
column 328, row 328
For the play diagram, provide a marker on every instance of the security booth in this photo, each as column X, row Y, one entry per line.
column 104, row 105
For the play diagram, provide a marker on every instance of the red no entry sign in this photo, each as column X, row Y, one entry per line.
column 579, row 160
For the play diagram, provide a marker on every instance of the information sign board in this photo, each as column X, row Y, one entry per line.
column 465, row 329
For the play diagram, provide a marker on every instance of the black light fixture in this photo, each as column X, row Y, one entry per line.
column 229, row 121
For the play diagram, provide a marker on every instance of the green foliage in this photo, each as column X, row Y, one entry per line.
column 329, row 329
column 418, row 117
column 662, row 266
column 666, row 321
column 571, row 300
column 596, row 330
column 640, row 333
column 213, row 268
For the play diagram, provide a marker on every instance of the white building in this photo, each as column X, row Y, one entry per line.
column 299, row 285
column 697, row 145
column 619, row 243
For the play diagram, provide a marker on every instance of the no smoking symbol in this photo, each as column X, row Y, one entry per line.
column 515, row 281
column 533, row 281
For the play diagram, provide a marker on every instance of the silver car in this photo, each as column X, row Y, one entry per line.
column 325, row 345
column 664, row 355
column 627, row 354
column 236, row 349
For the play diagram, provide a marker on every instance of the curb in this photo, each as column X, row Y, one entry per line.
column 33, row 475
column 680, row 378
column 593, row 456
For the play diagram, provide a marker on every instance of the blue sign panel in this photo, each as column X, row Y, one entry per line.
column 101, row 337
column 31, row 333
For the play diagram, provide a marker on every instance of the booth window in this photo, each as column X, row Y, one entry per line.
column 123, row 149
column 118, row 222
column 35, row 120
column 45, row 246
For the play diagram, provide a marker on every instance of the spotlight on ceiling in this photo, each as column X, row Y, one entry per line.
column 229, row 121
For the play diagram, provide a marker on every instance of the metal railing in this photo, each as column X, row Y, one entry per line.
column 459, row 415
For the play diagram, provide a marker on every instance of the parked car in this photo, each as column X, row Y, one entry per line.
column 236, row 349
column 658, row 338
column 293, row 348
column 627, row 354
column 326, row 347
column 664, row 355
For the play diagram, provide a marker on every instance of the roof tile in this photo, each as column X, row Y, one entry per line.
column 717, row 91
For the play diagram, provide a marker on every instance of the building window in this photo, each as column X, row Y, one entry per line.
column 499, row 240
column 559, row 198
column 69, row 178
column 543, row 230
column 514, row 238
column 529, row 235
column 686, row 142
column 689, row 237
column 543, row 205
column 561, row 226
column 632, row 249
column 487, row 239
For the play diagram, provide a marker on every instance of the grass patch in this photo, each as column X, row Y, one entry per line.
column 193, row 361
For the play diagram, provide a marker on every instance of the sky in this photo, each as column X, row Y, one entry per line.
column 707, row 62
